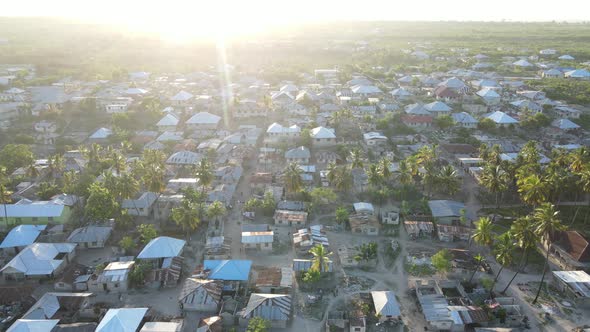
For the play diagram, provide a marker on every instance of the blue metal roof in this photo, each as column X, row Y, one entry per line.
column 228, row 269
column 22, row 235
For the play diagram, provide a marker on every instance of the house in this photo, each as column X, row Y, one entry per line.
column 304, row 265
column 73, row 279
column 416, row 109
column 390, row 217
column 161, row 249
column 552, row 73
column 122, row 320
column 300, row 155
column 438, row 108
column 419, row 229
column 184, row 158
column 162, row 327
column 364, row 224
column 115, row 108
column 579, row 74
column 564, row 124
column 210, row 324
column 526, row 104
column 35, row 212
column 200, row 295
column 58, row 305
column 257, row 239
column 33, row 325
column 19, row 237
column 365, row 91
column 374, row 139
column 417, row 121
column 306, row 238
column 276, row 308
column 90, row 236
column 464, row 120
column 548, row 51
column 290, row 218
column 501, row 119
column 445, row 93
column 490, row 96
column 114, row 278
column 347, row 254
column 225, row 270
column 401, row 94
column 168, row 122
column 386, row 306
column 182, row 98
column 455, row 84
column 568, row 112
column 100, row 136
column 446, row 212
column 39, row 260
column 45, row 126
column 203, row 121
column 571, row 249
column 323, row 137
column 277, row 132
column 576, row 284
column 168, row 136
column 523, row 64
column 274, row 280
column 142, row 206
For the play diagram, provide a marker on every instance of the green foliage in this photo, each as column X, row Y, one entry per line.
column 366, row 252
column 147, row 232
column 342, row 215
column 47, row 190
column 127, row 243
column 322, row 196
column 311, row 276
column 442, row 261
column 101, row 204
column 13, row 156
column 487, row 283
column 258, row 324
column 137, row 275
column 571, row 91
column 486, row 125
column 444, row 122
column 535, row 122
column 305, row 138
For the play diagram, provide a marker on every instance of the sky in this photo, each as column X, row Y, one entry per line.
column 183, row 18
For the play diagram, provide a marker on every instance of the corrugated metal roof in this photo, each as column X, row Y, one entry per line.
column 22, row 235
column 385, row 303
column 122, row 320
column 228, row 269
column 162, row 247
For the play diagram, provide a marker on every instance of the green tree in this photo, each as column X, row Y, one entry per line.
column 447, row 180
column 47, row 190
column 366, row 252
column 483, row 234
column 533, row 189
column 442, row 261
column 503, row 252
column 356, row 159
column 305, row 138
column 311, row 276
column 374, row 176
column 486, row 124
column 216, row 210
column 186, row 216
column 444, row 122
column 101, row 204
column 478, row 260
column 292, row 178
column 5, row 198
column 384, row 169
column 320, row 260
column 147, row 232
column 322, row 196
column 127, row 244
column 523, row 232
column 547, row 223
column 342, row 215
column 257, row 324
column 13, row 156
column 494, row 179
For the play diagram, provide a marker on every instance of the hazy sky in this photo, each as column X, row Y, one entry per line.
column 230, row 16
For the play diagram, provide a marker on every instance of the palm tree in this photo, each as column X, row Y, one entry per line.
column 405, row 176
column 93, row 154
column 153, row 179
column 292, row 178
column 503, row 252
column 320, row 260
column 523, row 232
column 374, row 176
column 5, row 198
column 478, row 260
column 128, row 186
column 547, row 223
column 186, row 216
column 529, row 154
column 204, row 174
column 345, row 180
column 448, row 180
column 216, row 210
column 118, row 162
column 56, row 165
column 356, row 159
column 533, row 189
column 32, row 171
column 580, row 158
column 483, row 232
column 332, row 173
column 384, row 169
column 69, row 181
column 495, row 180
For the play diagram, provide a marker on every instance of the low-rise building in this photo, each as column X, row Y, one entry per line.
column 20, row 237
column 200, row 295
column 39, row 260
column 576, row 284
column 90, row 236
column 290, row 218
column 275, row 308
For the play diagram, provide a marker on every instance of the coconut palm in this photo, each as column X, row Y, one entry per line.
column 547, row 223
column 332, row 173
column 503, row 252
column 320, row 260
column 186, row 216
column 128, row 186
column 204, row 174
column 374, row 176
column 118, row 162
column 579, row 159
column 292, row 178
column 356, row 159
column 494, row 179
column 216, row 210
column 5, row 198
column 153, row 179
column 448, row 180
column 384, row 169
column 529, row 154
column 94, row 155
column 478, row 260
column 405, row 176
column 69, row 181
column 56, row 165
column 533, row 189
column 345, row 180
column 483, row 234
column 523, row 232
column 32, row 171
